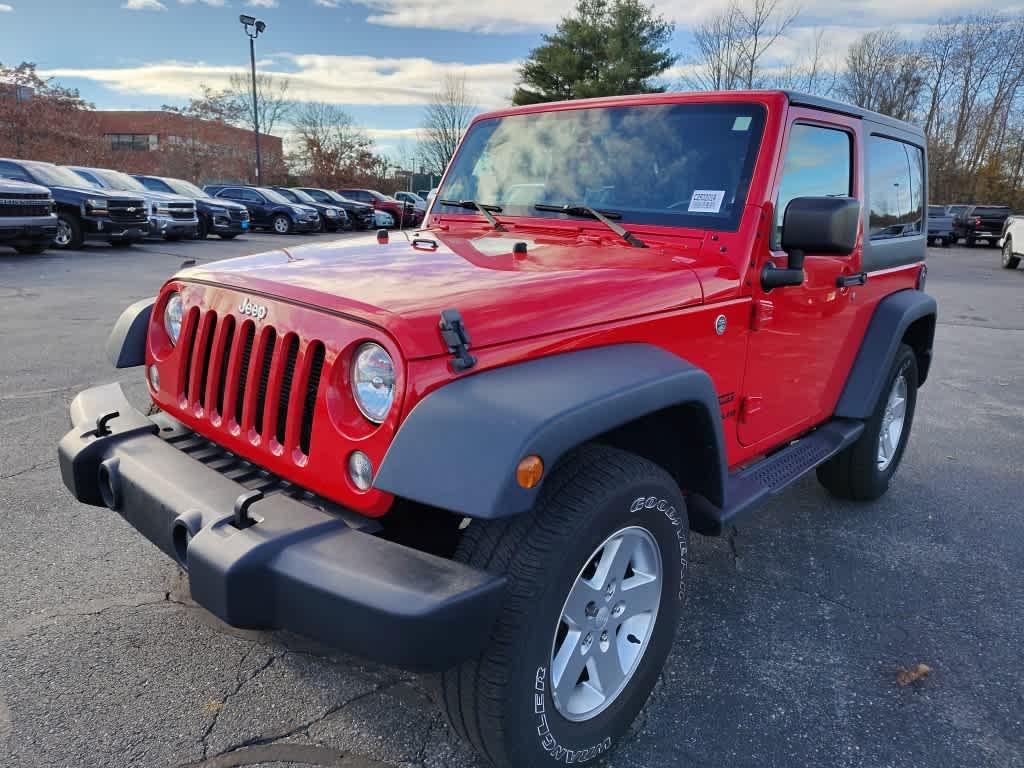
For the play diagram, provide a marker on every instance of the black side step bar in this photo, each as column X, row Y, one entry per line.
column 751, row 485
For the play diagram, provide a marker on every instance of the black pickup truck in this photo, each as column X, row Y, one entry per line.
column 981, row 222
column 83, row 211
column 27, row 221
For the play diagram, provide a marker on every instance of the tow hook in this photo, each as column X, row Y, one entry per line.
column 102, row 430
column 242, row 518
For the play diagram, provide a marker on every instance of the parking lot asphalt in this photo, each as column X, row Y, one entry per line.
column 797, row 624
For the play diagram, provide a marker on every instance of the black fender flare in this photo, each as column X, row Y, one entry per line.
column 126, row 345
column 459, row 447
column 893, row 316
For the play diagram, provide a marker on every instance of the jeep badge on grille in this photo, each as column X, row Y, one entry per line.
column 248, row 307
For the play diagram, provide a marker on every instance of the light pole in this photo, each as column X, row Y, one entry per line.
column 253, row 28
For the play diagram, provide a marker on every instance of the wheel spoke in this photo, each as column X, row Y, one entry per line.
column 606, row 667
column 566, row 666
column 614, row 560
column 641, row 594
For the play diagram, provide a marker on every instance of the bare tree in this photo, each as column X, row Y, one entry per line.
column 813, row 72
column 333, row 150
column 731, row 46
column 884, row 73
column 274, row 105
column 445, row 120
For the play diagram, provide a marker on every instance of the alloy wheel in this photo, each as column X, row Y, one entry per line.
column 606, row 624
column 63, row 237
column 892, row 423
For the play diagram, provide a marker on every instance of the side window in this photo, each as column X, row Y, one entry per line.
column 896, row 188
column 818, row 164
column 231, row 194
column 90, row 178
column 252, row 196
column 155, row 184
column 12, row 171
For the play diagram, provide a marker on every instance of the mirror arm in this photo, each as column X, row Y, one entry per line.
column 793, row 274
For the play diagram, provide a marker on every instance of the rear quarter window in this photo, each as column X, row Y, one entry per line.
column 895, row 188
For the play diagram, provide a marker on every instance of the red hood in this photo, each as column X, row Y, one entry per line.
column 561, row 284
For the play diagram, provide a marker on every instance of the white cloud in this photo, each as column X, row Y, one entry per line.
column 509, row 16
column 144, row 5
column 214, row 3
column 5, row 8
column 262, row 3
column 393, row 134
column 329, row 3
column 331, row 79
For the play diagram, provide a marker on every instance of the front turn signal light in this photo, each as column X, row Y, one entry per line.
column 529, row 472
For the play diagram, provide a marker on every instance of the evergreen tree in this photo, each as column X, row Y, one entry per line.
column 605, row 48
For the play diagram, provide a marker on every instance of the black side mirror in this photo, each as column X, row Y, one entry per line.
column 826, row 225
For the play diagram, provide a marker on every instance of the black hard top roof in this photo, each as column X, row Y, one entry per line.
column 818, row 102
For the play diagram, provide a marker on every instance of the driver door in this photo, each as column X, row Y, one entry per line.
column 801, row 333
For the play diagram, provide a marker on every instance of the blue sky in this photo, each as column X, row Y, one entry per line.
column 379, row 59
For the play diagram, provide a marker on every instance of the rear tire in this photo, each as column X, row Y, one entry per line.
column 863, row 470
column 969, row 242
column 521, row 704
column 1010, row 261
column 31, row 250
column 228, row 236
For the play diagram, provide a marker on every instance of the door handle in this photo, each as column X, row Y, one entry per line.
column 857, row 278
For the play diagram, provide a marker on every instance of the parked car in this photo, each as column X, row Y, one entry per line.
column 404, row 214
column 1012, row 241
column 332, row 217
column 360, row 215
column 940, row 226
column 268, row 209
column 981, row 222
column 171, row 217
column 480, row 454
column 28, row 223
column 84, row 211
column 383, row 220
column 220, row 217
column 410, row 197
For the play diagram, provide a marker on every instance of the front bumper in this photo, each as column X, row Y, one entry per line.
column 28, row 230
column 167, row 226
column 307, row 225
column 103, row 228
column 295, row 567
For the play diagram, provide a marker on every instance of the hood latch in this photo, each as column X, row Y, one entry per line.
column 456, row 337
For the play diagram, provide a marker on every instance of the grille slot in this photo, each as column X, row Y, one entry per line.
column 316, row 369
column 261, row 395
column 286, row 387
column 204, row 371
column 189, row 334
column 243, row 373
column 229, row 337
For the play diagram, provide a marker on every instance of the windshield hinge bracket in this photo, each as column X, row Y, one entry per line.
column 456, row 338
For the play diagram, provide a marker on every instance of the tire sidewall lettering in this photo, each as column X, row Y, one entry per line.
column 548, row 742
column 664, row 506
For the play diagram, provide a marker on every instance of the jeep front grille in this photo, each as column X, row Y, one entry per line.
column 239, row 375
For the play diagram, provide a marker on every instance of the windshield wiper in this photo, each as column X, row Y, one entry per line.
column 473, row 205
column 605, row 217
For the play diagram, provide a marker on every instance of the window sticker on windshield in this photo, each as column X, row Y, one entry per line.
column 706, row 201
column 741, row 123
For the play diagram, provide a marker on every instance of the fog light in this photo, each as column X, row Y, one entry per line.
column 154, row 378
column 360, row 470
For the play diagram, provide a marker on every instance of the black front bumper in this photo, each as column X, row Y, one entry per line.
column 103, row 228
column 296, row 567
column 27, row 234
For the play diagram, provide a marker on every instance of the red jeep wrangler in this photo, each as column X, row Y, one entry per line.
column 479, row 453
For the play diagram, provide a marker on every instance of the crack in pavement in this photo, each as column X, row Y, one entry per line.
column 305, row 754
column 31, row 623
column 265, row 741
column 730, row 537
column 35, row 467
column 240, row 680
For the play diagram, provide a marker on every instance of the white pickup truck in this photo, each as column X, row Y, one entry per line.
column 1012, row 241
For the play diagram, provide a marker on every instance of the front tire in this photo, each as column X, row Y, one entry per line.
column 595, row 582
column 69, row 232
column 1010, row 261
column 282, row 225
column 227, row 235
column 863, row 470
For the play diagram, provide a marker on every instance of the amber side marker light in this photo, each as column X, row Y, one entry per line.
column 529, row 472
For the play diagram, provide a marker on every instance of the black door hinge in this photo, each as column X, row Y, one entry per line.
column 456, row 338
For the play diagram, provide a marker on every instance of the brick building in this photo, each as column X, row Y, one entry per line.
column 203, row 151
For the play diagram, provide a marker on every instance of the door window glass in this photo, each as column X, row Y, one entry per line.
column 896, row 188
column 818, row 164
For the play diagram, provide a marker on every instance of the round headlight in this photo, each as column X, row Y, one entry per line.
column 172, row 317
column 373, row 381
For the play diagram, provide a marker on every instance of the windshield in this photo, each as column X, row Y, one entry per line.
column 185, row 188
column 118, row 180
column 673, row 164
column 301, row 196
column 274, row 196
column 57, row 176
